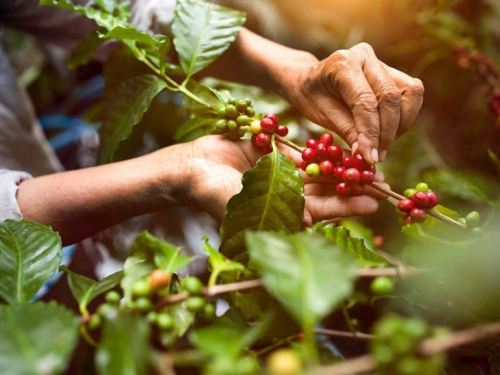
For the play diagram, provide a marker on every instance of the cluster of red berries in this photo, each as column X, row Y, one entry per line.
column 350, row 172
column 263, row 129
column 417, row 200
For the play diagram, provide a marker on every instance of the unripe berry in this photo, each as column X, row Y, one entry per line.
column 342, row 188
column 143, row 304
column 326, row 139
column 164, row 321
column 221, row 125
column 312, row 143
column 303, row 165
column 338, row 172
column 422, row 186
column 159, row 279
column 356, row 190
column 382, row 285
column 326, row 167
column 334, row 153
column 313, row 170
column 409, row 193
column 262, row 139
column 209, row 311
column 282, row 131
column 195, row 303
column 94, row 322
column 242, row 119
column 248, row 101
column 321, row 152
column 232, row 125
column 367, row 177
column 477, row 231
column 272, row 116
column 420, row 199
column 348, row 162
column 113, row 297
column 418, row 215
column 141, row 288
column 241, row 106
column 255, row 127
column 352, row 176
column 406, row 205
column 473, row 218
column 250, row 111
column 231, row 111
column 232, row 101
column 433, row 199
column 360, row 162
column 221, row 112
column 193, row 285
column 309, row 155
column 267, row 125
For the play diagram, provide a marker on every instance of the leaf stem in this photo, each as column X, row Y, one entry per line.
column 288, row 143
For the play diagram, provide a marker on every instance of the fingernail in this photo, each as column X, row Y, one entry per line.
column 354, row 147
column 374, row 155
column 383, row 154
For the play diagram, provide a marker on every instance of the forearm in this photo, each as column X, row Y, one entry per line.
column 81, row 203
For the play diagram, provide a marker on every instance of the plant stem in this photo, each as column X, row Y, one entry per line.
column 351, row 335
column 289, row 143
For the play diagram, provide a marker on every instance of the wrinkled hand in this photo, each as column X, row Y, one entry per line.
column 366, row 102
column 216, row 165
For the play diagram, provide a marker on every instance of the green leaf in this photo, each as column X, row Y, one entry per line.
column 84, row 50
column 36, row 339
column 125, row 110
column 272, row 199
column 202, row 32
column 107, row 5
column 183, row 319
column 124, row 348
column 194, row 124
column 131, row 33
column 218, row 263
column 494, row 359
column 29, row 255
column 85, row 289
column 343, row 239
column 306, row 273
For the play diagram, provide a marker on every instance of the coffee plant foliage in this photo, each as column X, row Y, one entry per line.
column 281, row 282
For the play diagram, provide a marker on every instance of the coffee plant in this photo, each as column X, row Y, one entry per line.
column 299, row 298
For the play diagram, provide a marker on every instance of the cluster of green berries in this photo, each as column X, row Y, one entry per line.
column 263, row 130
column 235, row 117
column 472, row 221
column 417, row 200
column 396, row 343
column 322, row 157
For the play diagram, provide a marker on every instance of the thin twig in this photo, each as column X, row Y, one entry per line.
column 351, row 335
column 389, row 272
column 288, row 143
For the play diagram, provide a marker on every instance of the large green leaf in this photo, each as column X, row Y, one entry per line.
column 131, row 33
column 272, row 199
column 125, row 110
column 85, row 289
column 84, row 50
column 29, row 255
column 36, row 339
column 194, row 124
column 202, row 32
column 307, row 273
column 124, row 348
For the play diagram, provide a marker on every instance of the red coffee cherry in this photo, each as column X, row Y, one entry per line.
column 356, row 190
column 348, row 162
column 418, row 215
column 360, row 162
column 408, row 220
column 267, row 125
column 420, row 199
column 352, row 176
column 334, row 153
column 433, row 199
column 262, row 139
column 406, row 205
column 367, row 177
column 342, row 188
column 326, row 167
column 321, row 152
column 282, row 131
column 338, row 172
column 326, row 139
column 303, row 165
column 272, row 116
column 309, row 154
column 312, row 143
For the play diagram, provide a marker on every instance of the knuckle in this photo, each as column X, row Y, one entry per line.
column 390, row 96
column 366, row 102
column 340, row 55
column 416, row 87
column 365, row 47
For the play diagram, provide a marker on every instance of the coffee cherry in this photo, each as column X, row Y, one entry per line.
column 232, row 135
column 231, row 111
column 477, row 231
column 94, row 322
column 209, row 311
column 415, row 328
column 267, row 125
column 141, row 288
column 151, row 317
column 462, row 221
column 143, row 304
column 283, row 362
column 232, row 125
column 408, row 366
column 352, row 176
column 338, row 172
column 326, row 167
column 383, row 354
column 282, row 131
column 406, row 205
column 420, row 199
column 348, row 162
column 272, row 116
column 221, row 112
column 473, row 218
column 408, row 220
column 360, row 163
column 367, row 177
column 113, row 297
column 309, row 155
column 221, row 125
column 106, row 311
column 159, row 279
column 164, row 321
column 312, row 143
column 248, row 101
column 334, row 153
column 382, row 285
column 342, row 188
column 433, row 199
column 193, row 285
column 267, row 149
column 313, row 170
column 326, row 139
column 250, row 111
column 321, row 152
column 422, row 186
column 262, row 139
column 242, row 119
column 303, row 166
column 195, row 303
column 418, row 215
column 255, row 127
column 379, row 241
column 356, row 190
column 409, row 193
column 232, row 101
column 241, row 106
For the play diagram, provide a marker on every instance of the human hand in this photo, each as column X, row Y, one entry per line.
column 216, row 165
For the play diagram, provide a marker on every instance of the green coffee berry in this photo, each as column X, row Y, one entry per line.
column 382, row 285
column 193, row 285
column 409, row 193
column 422, row 186
column 241, row 105
column 141, row 288
column 113, row 297
column 231, row 111
column 232, row 125
column 209, row 311
column 94, row 322
column 143, row 304
column 473, row 218
column 313, row 170
column 221, row 112
column 152, row 316
column 164, row 321
column 195, row 303
column 250, row 111
column 221, row 125
column 243, row 119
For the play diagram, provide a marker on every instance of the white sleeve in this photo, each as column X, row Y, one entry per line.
column 9, row 181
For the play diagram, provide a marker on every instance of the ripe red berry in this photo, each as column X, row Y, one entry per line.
column 267, row 149
column 267, row 125
column 342, row 188
column 379, row 241
column 433, row 199
column 262, row 139
column 254, row 140
column 352, row 176
column 420, row 199
column 272, row 116
column 334, row 153
column 356, row 190
column 312, row 143
column 408, row 220
column 326, row 167
column 348, row 162
column 367, row 177
column 321, row 152
column 282, row 131
column 309, row 154
column 406, row 205
column 303, row 165
column 326, row 139
column 338, row 172
column 360, row 162
column 418, row 215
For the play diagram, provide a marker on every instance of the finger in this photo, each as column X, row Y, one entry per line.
column 329, row 207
